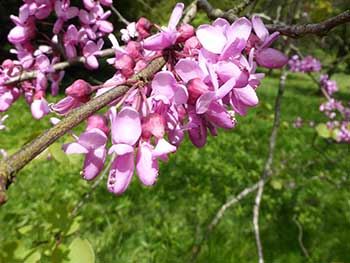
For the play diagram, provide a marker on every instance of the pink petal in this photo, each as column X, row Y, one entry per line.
column 188, row 69
column 211, row 38
column 163, row 148
column 74, row 148
column 71, row 12
column 121, row 173
column 92, row 62
column 94, row 162
column 105, row 26
column 146, row 165
column 271, row 58
column 259, row 28
column 241, row 28
column 159, row 41
column 204, row 101
column 126, row 128
column 163, row 84
column 121, row 149
column 39, row 108
column 176, row 16
column 17, row 35
column 218, row 115
column 226, row 88
column 93, row 138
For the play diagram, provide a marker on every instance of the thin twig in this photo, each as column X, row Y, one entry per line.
column 267, row 169
column 300, row 238
column 121, row 18
column 190, row 13
column 28, row 75
column 93, row 188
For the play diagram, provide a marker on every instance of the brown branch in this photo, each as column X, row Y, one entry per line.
column 12, row 164
column 190, row 13
column 293, row 31
column 321, row 28
column 28, row 75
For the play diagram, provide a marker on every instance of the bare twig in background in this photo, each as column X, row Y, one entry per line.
column 267, row 169
column 121, row 18
column 12, row 164
column 197, row 248
column 93, row 188
column 293, row 31
column 27, row 75
column 190, row 13
column 300, row 237
column 242, row 6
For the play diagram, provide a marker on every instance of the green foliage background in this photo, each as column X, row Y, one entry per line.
column 163, row 223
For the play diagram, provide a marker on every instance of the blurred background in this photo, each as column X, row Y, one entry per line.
column 305, row 204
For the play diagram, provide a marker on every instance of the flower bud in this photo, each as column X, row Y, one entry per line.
column 125, row 64
column 143, row 27
column 185, row 31
column 191, row 44
column 133, row 49
column 196, row 87
column 39, row 94
column 98, row 121
column 79, row 89
column 153, row 124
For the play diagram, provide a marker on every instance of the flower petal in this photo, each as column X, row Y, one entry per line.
column 146, row 165
column 176, row 16
column 271, row 58
column 259, row 28
column 121, row 173
column 207, row 34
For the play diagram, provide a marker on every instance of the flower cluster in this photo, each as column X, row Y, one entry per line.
column 202, row 87
column 330, row 86
column 338, row 115
column 74, row 32
column 307, row 64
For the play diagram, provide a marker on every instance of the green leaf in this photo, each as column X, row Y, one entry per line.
column 58, row 154
column 323, row 131
column 276, row 184
column 81, row 251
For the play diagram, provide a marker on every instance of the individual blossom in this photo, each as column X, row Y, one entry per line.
column 92, row 143
column 168, row 35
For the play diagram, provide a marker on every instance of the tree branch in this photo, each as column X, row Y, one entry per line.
column 12, row 164
column 293, row 31
column 27, row 75
column 267, row 169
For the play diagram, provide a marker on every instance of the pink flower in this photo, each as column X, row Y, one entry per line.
column 92, row 143
column 39, row 106
column 90, row 51
column 24, row 29
column 64, row 12
column 167, row 37
column 265, row 56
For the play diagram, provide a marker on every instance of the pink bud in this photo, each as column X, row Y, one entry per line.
column 98, row 121
column 79, row 89
column 192, row 43
column 125, row 64
column 153, row 124
column 39, row 94
column 133, row 49
column 186, row 31
column 196, row 87
column 143, row 27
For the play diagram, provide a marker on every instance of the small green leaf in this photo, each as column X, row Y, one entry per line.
column 276, row 184
column 323, row 131
column 81, row 251
column 58, row 154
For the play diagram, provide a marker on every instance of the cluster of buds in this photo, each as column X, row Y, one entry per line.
column 330, row 86
column 75, row 32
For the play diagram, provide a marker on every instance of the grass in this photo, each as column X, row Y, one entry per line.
column 162, row 223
